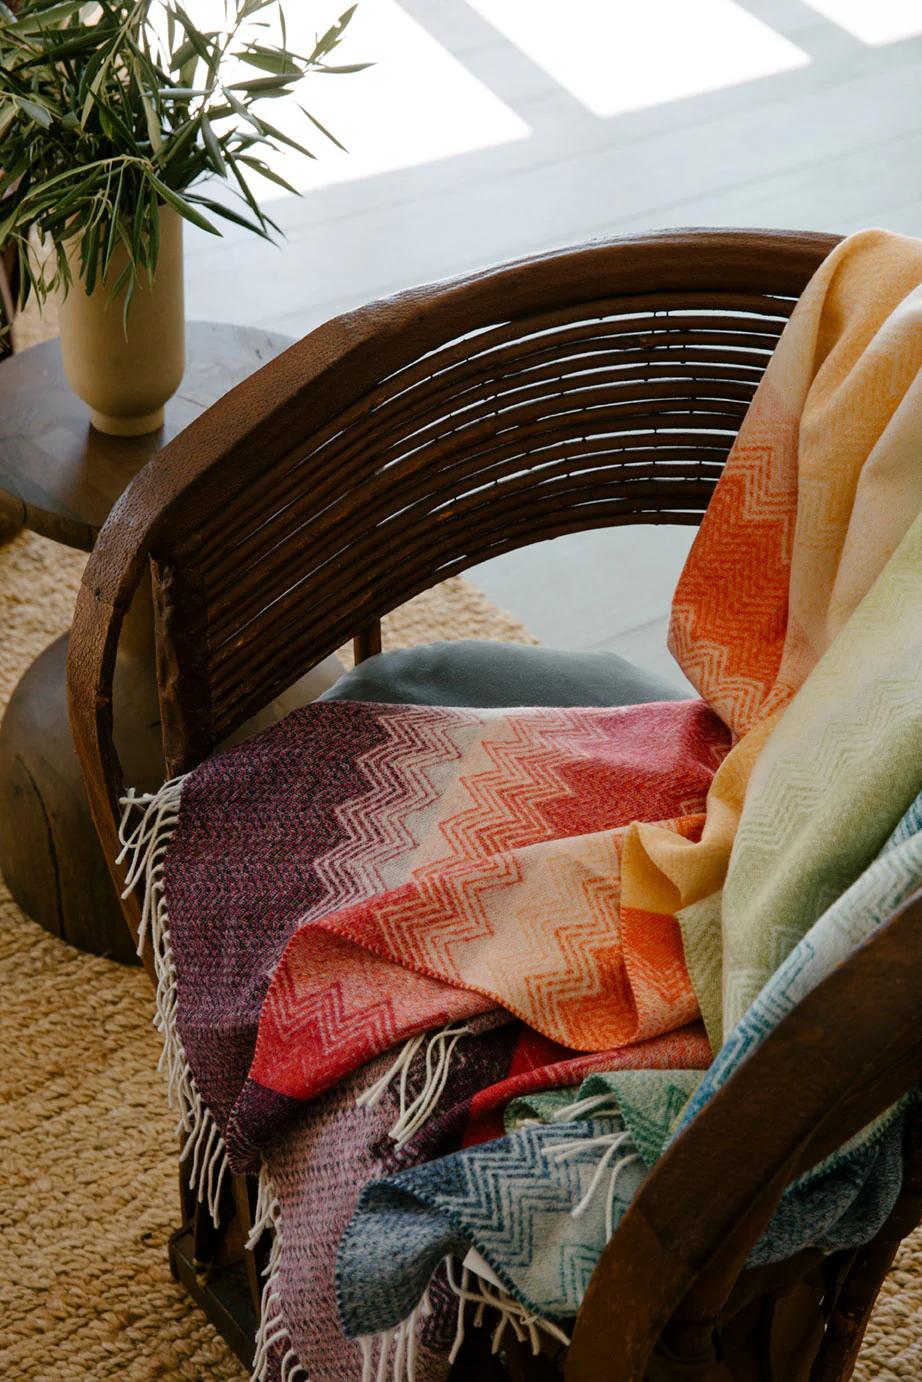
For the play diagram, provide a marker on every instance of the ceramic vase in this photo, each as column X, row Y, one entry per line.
column 126, row 376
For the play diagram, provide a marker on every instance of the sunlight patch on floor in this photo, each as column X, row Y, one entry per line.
column 614, row 55
column 873, row 21
column 416, row 105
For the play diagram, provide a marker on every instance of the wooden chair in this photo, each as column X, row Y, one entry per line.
column 394, row 447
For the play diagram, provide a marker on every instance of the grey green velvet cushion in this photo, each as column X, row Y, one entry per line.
column 473, row 672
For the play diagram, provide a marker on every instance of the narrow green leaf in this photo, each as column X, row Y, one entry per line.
column 35, row 112
column 202, row 43
column 26, row 276
column 178, row 142
column 262, row 86
column 328, row 41
column 240, row 109
column 112, row 237
column 113, row 123
column 265, row 171
column 92, row 91
column 137, row 224
column 154, row 224
column 179, row 204
column 323, row 130
column 129, row 294
column 63, row 204
column 7, row 116
column 344, row 68
column 269, row 59
column 213, row 146
column 153, row 124
column 68, row 173
column 229, row 214
column 182, row 56
column 6, row 228
column 284, row 138
column 89, row 258
column 57, row 52
column 181, row 93
column 119, row 283
column 245, row 189
column 35, row 21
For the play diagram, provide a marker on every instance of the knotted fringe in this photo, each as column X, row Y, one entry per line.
column 596, row 1106
column 145, row 841
column 272, row 1329
column 399, row 1345
column 391, row 1356
column 415, row 1113
column 609, row 1145
column 267, row 1209
column 526, row 1327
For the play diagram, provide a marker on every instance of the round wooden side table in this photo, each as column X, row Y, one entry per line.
column 60, row 477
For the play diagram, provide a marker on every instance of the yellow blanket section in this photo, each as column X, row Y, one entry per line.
column 799, row 619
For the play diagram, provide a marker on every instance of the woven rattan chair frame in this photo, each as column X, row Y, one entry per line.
column 399, row 445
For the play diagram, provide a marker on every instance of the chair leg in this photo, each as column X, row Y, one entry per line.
column 253, row 1258
column 367, row 642
column 10, row 516
column 855, row 1301
column 841, row 1344
column 476, row 1361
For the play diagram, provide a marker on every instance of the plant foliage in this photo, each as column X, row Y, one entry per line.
column 112, row 108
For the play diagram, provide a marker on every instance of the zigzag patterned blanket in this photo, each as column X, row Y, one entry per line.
column 540, row 1203
column 360, row 876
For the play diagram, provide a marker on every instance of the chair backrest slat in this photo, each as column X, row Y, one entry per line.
column 418, row 437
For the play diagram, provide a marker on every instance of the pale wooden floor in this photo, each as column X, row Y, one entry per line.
column 834, row 143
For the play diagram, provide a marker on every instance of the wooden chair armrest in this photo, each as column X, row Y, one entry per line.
column 840, row 1058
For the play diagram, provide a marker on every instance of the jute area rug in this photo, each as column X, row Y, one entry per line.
column 88, row 1182
column 88, row 1185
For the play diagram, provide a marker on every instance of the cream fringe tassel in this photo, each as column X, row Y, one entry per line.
column 391, row 1355
column 144, row 845
column 401, row 1341
column 272, row 1327
column 145, row 840
column 474, row 1290
column 415, row 1113
column 609, row 1144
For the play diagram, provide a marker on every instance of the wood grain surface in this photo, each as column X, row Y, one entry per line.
column 58, row 475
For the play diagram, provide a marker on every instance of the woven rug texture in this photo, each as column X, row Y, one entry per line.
column 88, row 1182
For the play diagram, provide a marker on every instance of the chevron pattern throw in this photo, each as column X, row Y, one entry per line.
column 566, row 894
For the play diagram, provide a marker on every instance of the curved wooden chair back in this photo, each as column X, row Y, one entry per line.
column 405, row 442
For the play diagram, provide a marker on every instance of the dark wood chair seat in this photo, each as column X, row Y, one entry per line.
column 399, row 445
